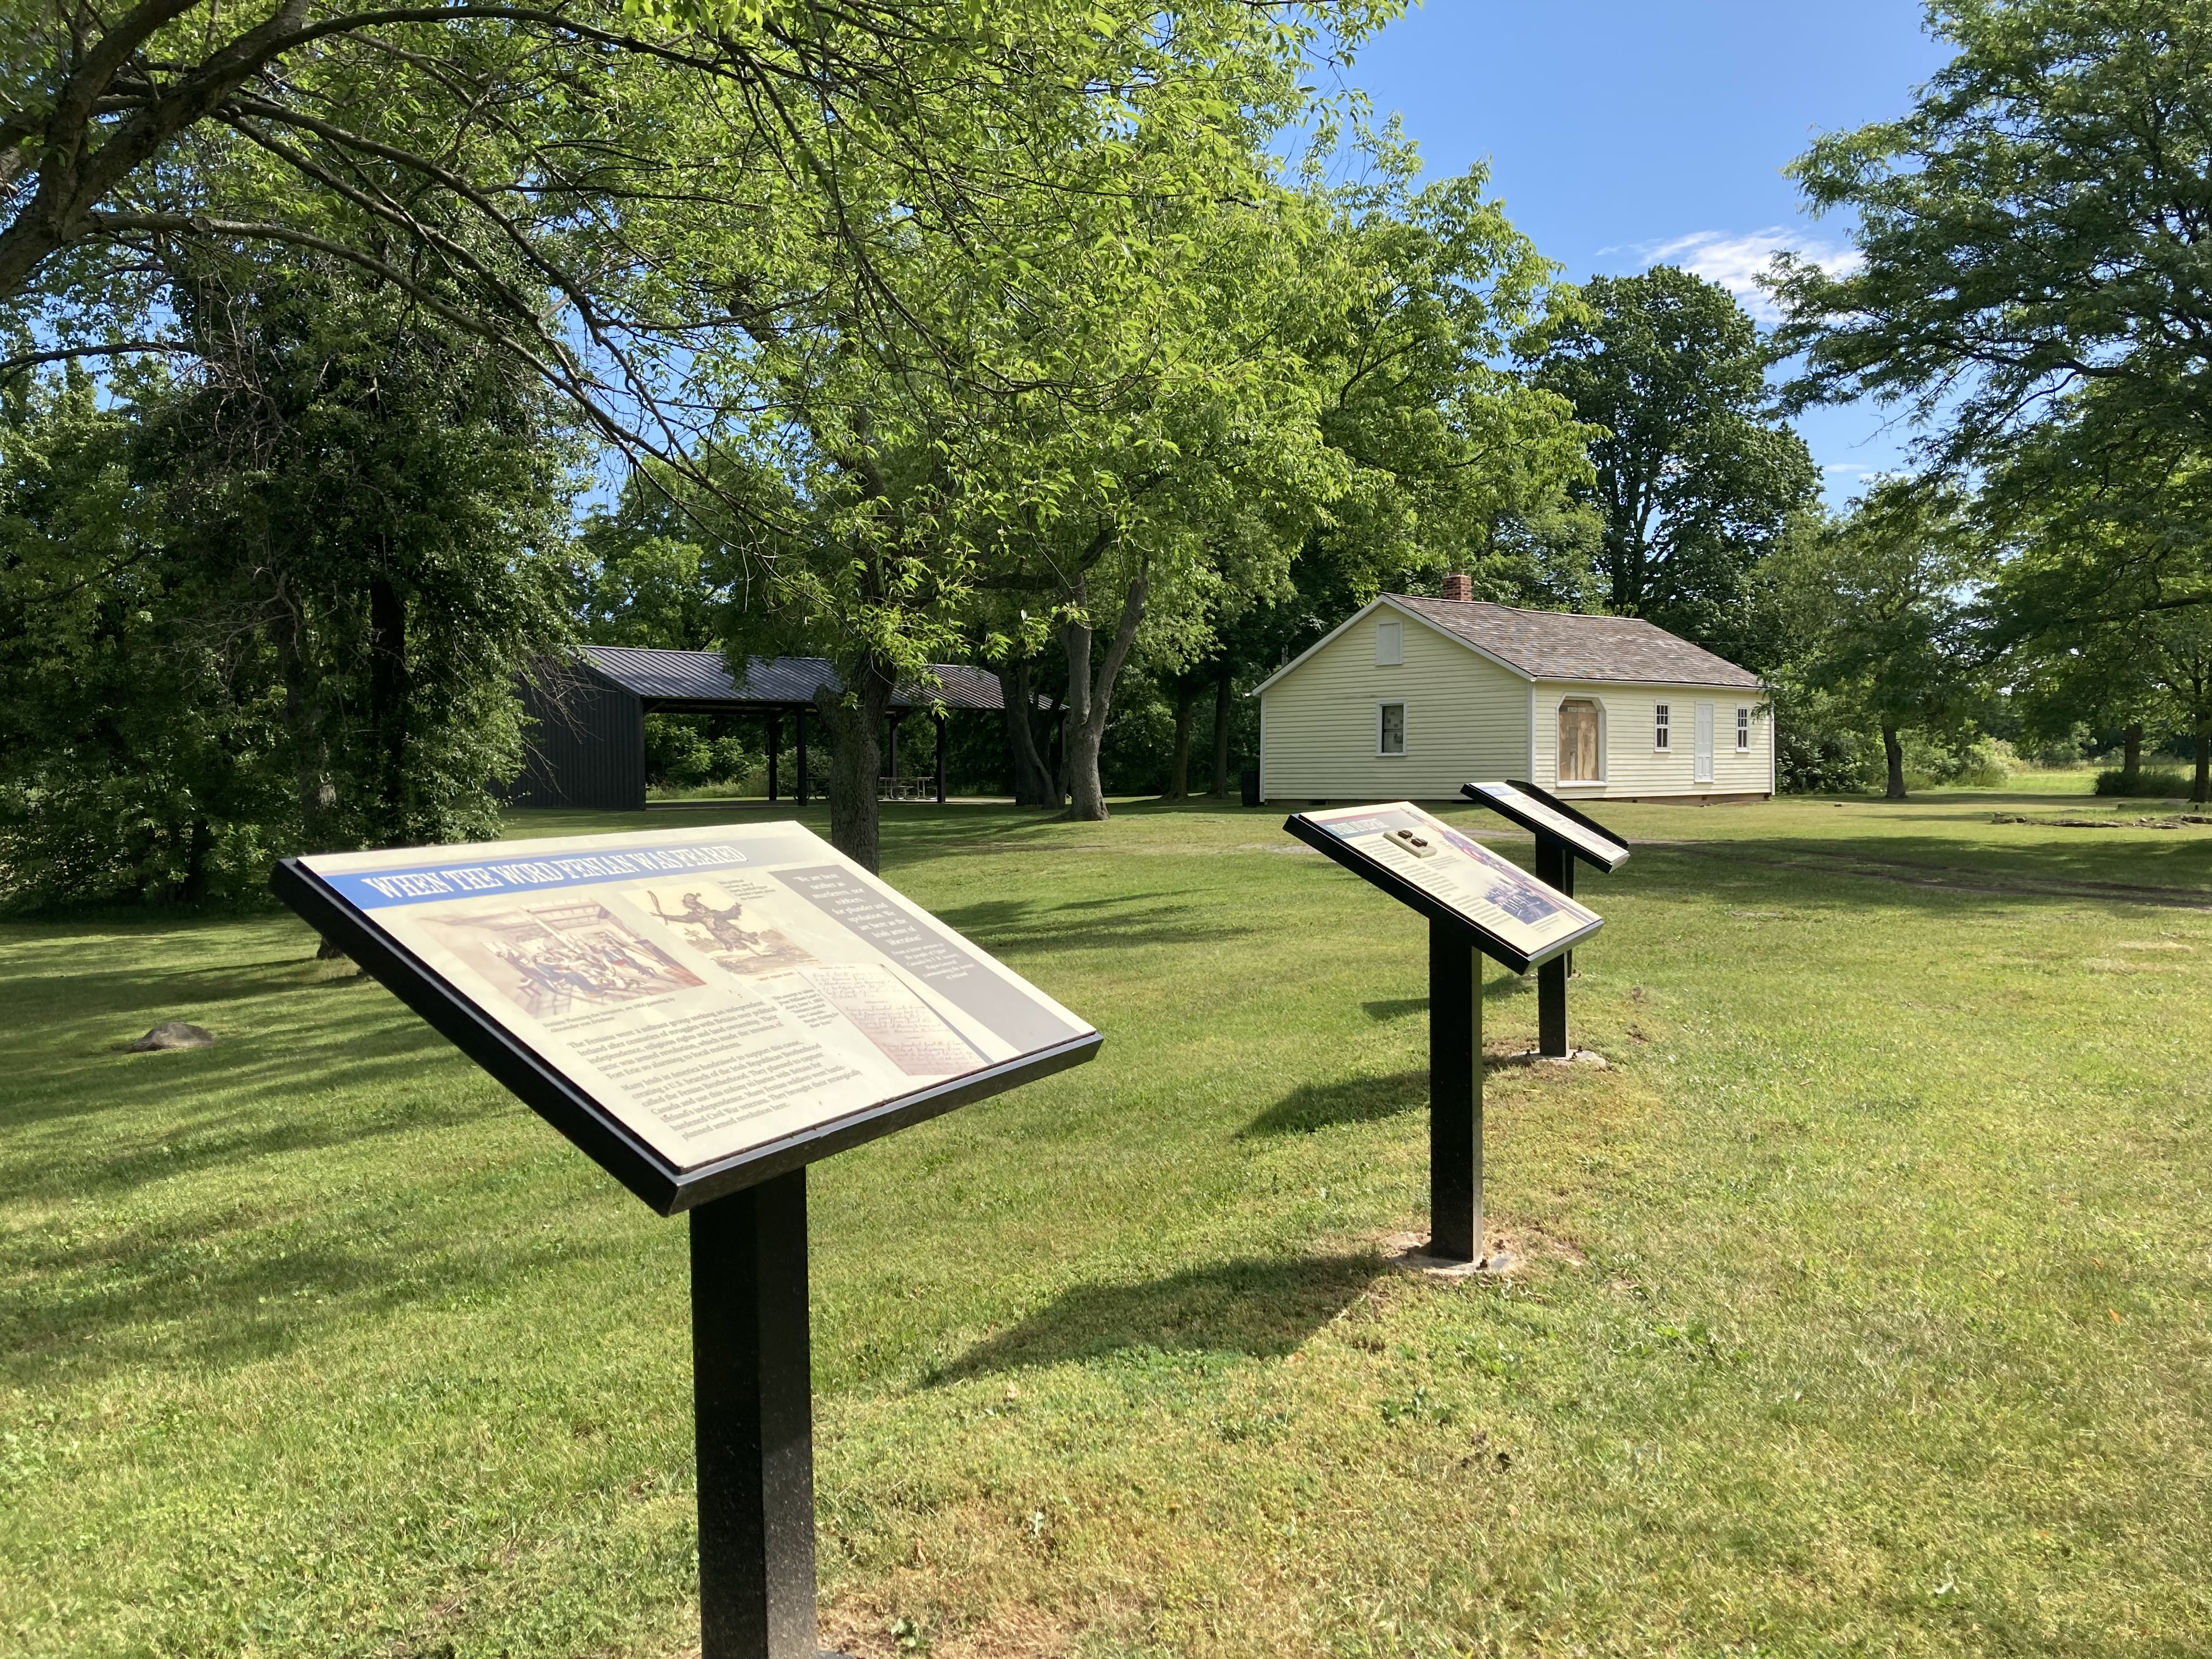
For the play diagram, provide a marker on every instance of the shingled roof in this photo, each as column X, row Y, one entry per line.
column 699, row 680
column 1561, row 644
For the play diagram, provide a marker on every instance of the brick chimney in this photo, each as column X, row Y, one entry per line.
column 1458, row 586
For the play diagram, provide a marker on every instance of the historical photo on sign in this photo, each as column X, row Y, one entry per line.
column 713, row 990
column 715, row 919
column 552, row 959
column 1489, row 890
column 1531, row 813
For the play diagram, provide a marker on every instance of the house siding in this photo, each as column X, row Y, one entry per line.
column 1633, row 765
column 1466, row 717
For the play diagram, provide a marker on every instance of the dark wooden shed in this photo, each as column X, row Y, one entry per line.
column 587, row 748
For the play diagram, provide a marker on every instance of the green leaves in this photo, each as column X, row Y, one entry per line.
column 1696, row 479
column 1885, row 607
column 2031, row 227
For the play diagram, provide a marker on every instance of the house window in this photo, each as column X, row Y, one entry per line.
column 1660, row 737
column 1390, row 728
column 1742, row 730
column 1389, row 644
column 1578, row 741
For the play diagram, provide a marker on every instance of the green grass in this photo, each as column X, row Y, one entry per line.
column 1866, row 1310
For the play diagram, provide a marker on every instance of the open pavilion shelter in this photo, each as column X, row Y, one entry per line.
column 587, row 748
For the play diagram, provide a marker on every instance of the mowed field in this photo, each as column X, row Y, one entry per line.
column 1865, row 1309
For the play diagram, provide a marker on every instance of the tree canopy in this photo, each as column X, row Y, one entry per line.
column 1883, row 600
column 1695, row 476
column 599, row 188
column 2031, row 234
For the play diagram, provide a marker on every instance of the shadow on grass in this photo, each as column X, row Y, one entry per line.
column 1495, row 985
column 195, row 1292
column 1948, row 872
column 49, row 983
column 1314, row 1106
column 1016, row 926
column 1388, row 1008
column 241, row 1134
column 1264, row 1308
column 337, row 1035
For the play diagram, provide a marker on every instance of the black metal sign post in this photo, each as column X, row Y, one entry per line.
column 1455, row 1094
column 1563, row 836
column 752, row 1383
column 1556, row 866
column 1481, row 905
column 753, row 1411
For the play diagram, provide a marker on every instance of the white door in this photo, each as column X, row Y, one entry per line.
column 1705, row 772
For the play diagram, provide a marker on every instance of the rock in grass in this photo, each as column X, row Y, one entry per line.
column 174, row 1034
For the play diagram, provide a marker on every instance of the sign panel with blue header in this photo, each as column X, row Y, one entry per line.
column 712, row 994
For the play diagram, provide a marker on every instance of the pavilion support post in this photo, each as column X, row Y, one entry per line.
column 800, row 757
column 940, row 759
column 775, row 743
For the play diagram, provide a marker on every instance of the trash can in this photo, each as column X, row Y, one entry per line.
column 1250, row 779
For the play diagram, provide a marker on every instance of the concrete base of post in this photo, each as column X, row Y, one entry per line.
column 1535, row 1057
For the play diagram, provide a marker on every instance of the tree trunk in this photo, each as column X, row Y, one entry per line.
column 2200, row 792
column 2131, row 758
column 1033, row 784
column 1089, row 698
column 1179, row 766
column 318, row 797
column 1894, row 751
column 194, row 887
column 1224, row 706
column 854, row 717
column 387, row 708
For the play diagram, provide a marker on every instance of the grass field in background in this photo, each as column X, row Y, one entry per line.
column 1865, row 1309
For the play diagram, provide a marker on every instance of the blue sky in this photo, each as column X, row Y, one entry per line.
column 1620, row 132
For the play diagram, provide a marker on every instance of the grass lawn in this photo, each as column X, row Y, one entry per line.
column 1865, row 1311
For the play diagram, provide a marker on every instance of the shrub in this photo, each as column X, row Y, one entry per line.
column 1821, row 748
column 686, row 751
column 2153, row 782
column 1985, row 764
column 1934, row 760
column 2049, row 754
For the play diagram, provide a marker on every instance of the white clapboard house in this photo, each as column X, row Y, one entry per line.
column 1413, row 697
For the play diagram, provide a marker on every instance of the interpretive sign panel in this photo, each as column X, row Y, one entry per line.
column 1424, row 863
column 1545, row 814
column 699, row 1008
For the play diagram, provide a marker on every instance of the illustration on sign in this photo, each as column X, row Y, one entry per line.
column 713, row 990
column 1485, row 888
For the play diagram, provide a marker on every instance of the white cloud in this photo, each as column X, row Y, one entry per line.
column 1734, row 262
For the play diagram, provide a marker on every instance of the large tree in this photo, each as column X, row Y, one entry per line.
column 2034, row 226
column 1884, row 605
column 281, row 602
column 2032, row 291
column 2100, row 601
column 594, row 187
column 1697, row 476
column 1400, row 306
column 821, row 237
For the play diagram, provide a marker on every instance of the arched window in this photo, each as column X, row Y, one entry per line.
column 1578, row 755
